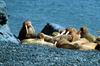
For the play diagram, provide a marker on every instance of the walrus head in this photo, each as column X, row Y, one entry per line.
column 84, row 30
column 74, row 34
column 27, row 31
column 27, row 24
column 72, row 30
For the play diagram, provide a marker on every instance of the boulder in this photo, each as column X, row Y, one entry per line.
column 5, row 33
column 50, row 28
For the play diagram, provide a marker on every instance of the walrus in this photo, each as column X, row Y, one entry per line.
column 85, row 44
column 74, row 33
column 27, row 31
column 38, row 41
column 80, row 44
column 69, row 34
column 86, row 34
column 61, row 39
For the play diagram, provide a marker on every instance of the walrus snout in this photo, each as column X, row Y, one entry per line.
column 28, row 24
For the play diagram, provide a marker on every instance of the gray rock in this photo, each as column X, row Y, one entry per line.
column 5, row 33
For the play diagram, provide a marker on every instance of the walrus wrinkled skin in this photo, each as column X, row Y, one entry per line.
column 27, row 31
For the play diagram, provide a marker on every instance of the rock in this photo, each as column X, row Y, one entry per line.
column 50, row 28
column 5, row 33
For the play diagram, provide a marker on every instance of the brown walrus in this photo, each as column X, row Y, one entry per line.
column 86, row 34
column 27, row 31
column 70, row 35
column 74, row 34
column 62, row 42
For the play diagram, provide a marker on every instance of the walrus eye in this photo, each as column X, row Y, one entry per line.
column 3, row 19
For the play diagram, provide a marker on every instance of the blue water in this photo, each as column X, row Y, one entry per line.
column 74, row 13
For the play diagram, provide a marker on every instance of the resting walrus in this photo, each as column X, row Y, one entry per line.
column 27, row 31
column 62, row 42
column 27, row 35
column 85, row 34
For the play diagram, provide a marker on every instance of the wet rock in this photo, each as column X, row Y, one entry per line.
column 5, row 33
column 50, row 28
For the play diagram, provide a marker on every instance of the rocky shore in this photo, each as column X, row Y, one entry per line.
column 12, row 54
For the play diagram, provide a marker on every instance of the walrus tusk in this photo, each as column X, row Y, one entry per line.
column 63, row 32
column 67, row 33
column 26, row 29
column 55, row 42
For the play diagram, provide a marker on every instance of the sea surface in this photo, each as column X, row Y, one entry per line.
column 67, row 13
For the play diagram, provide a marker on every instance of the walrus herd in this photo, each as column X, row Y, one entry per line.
column 70, row 38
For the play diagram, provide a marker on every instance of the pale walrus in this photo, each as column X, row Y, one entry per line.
column 27, row 31
column 38, row 41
